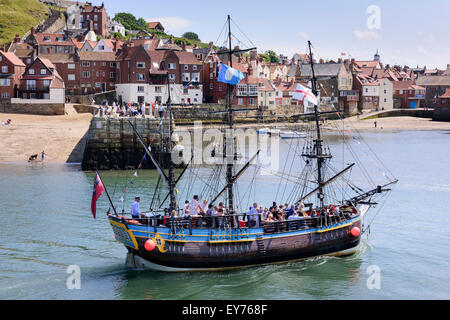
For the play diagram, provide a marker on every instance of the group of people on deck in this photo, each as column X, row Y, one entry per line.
column 255, row 214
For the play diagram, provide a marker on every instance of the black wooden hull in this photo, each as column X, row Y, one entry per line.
column 266, row 249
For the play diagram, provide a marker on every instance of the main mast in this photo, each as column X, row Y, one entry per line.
column 173, row 201
column 229, row 145
column 318, row 141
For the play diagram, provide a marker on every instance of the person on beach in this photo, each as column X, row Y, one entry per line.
column 43, row 154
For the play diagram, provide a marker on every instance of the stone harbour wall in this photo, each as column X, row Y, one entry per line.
column 112, row 144
column 50, row 109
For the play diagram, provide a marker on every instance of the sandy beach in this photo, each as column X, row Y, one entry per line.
column 58, row 136
column 61, row 137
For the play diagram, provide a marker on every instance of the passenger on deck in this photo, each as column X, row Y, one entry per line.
column 290, row 212
column 186, row 206
column 294, row 216
column 194, row 206
column 253, row 215
column 269, row 218
column 204, row 207
column 135, row 211
column 221, row 219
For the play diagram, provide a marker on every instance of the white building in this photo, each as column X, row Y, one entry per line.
column 116, row 26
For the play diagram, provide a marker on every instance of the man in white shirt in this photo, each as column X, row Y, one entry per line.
column 135, row 211
column 253, row 215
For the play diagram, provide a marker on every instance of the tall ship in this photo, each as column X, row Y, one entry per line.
column 316, row 221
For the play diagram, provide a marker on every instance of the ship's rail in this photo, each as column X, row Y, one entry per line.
column 240, row 221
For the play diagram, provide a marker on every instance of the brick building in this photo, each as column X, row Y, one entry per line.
column 11, row 69
column 97, row 16
column 42, row 81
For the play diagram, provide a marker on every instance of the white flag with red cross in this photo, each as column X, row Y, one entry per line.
column 303, row 93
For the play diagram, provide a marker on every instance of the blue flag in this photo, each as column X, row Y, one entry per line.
column 230, row 75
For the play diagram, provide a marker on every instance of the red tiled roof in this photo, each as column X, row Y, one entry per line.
column 97, row 56
column 403, row 85
column 185, row 57
column 153, row 25
column 446, row 94
column 371, row 64
column 52, row 39
column 12, row 58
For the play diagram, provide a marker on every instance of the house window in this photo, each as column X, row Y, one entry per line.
column 140, row 89
column 171, row 76
column 186, row 76
column 103, row 64
column 5, row 95
column 367, row 90
column 185, row 91
column 211, row 75
column 43, row 71
column 112, row 64
column 196, row 77
column 186, row 67
column 158, row 89
column 401, row 91
column 5, row 82
column 194, row 67
column 5, row 69
column 172, row 66
column 85, row 63
column 71, row 66
column 97, row 84
column 46, row 83
column 270, row 94
column 71, row 77
column 252, row 101
column 96, row 74
column 220, row 87
column 95, row 17
column 112, row 75
column 46, row 95
column 211, row 86
column 240, row 101
column 140, row 64
column 31, row 84
column 140, row 77
column 95, row 26
column 86, row 74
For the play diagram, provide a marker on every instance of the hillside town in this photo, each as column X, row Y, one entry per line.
column 81, row 53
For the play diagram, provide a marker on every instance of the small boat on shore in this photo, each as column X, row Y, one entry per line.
column 274, row 132
column 290, row 134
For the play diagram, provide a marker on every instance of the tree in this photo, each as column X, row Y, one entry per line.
column 273, row 56
column 191, row 36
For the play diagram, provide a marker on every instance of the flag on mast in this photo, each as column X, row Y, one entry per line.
column 303, row 93
column 98, row 190
column 229, row 75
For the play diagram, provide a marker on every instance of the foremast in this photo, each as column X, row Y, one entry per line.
column 318, row 153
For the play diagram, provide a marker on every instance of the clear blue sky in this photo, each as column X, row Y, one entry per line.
column 409, row 32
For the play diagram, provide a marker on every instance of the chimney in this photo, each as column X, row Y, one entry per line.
column 249, row 70
column 253, row 55
column 183, row 46
column 210, row 45
column 115, row 44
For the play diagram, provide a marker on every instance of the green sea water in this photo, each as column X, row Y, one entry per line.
column 47, row 226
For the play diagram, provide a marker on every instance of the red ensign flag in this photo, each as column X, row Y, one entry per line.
column 98, row 190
